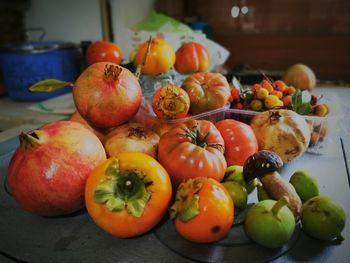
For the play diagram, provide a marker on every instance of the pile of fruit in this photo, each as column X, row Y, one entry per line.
column 277, row 94
column 128, row 176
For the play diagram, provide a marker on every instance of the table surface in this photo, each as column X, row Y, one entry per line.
column 29, row 238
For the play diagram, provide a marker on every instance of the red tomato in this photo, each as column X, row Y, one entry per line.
column 207, row 91
column 102, row 50
column 128, row 195
column 191, row 149
column 170, row 102
column 240, row 141
column 203, row 210
column 191, row 57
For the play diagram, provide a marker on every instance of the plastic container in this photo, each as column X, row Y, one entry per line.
column 24, row 64
column 322, row 129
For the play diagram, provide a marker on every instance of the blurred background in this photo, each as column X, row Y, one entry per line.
column 265, row 35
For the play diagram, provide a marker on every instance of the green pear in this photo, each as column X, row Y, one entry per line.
column 305, row 185
column 238, row 194
column 262, row 194
column 235, row 173
column 323, row 219
column 270, row 223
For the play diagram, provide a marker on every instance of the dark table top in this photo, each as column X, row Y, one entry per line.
column 25, row 237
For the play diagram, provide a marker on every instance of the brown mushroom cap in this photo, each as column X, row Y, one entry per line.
column 260, row 164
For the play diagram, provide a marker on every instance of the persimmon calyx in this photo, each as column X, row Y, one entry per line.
column 186, row 204
column 123, row 190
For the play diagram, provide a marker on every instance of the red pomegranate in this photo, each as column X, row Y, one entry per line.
column 48, row 171
column 107, row 95
column 100, row 133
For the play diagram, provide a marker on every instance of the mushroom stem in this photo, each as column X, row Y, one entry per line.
column 277, row 188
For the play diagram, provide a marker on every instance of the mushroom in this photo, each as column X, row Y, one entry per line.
column 265, row 166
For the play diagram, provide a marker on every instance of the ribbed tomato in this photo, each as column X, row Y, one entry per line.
column 191, row 149
column 192, row 57
column 207, row 91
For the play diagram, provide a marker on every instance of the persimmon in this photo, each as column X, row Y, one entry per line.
column 128, row 195
column 203, row 210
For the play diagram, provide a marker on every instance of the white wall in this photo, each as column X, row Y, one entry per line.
column 78, row 20
column 126, row 13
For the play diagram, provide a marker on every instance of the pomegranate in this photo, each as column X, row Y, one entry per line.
column 282, row 131
column 132, row 137
column 99, row 132
column 107, row 95
column 300, row 76
column 48, row 171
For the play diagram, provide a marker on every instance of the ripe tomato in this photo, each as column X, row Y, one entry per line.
column 207, row 91
column 160, row 59
column 203, row 210
column 191, row 149
column 191, row 57
column 128, row 195
column 170, row 102
column 102, row 50
column 240, row 141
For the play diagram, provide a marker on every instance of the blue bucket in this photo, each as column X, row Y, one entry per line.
column 24, row 64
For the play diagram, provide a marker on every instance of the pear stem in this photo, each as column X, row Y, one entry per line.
column 280, row 203
column 340, row 238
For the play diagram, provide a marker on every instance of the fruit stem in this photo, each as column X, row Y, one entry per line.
column 202, row 142
column 279, row 204
column 340, row 238
column 139, row 67
column 29, row 140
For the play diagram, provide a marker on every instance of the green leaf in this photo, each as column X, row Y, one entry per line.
column 104, row 191
column 296, row 99
column 136, row 206
column 245, row 91
column 113, row 169
column 191, row 210
column 49, row 85
column 301, row 102
column 115, row 204
column 304, row 109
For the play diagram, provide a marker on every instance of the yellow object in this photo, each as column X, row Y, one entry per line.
column 272, row 101
column 160, row 59
column 256, row 105
column 262, row 93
